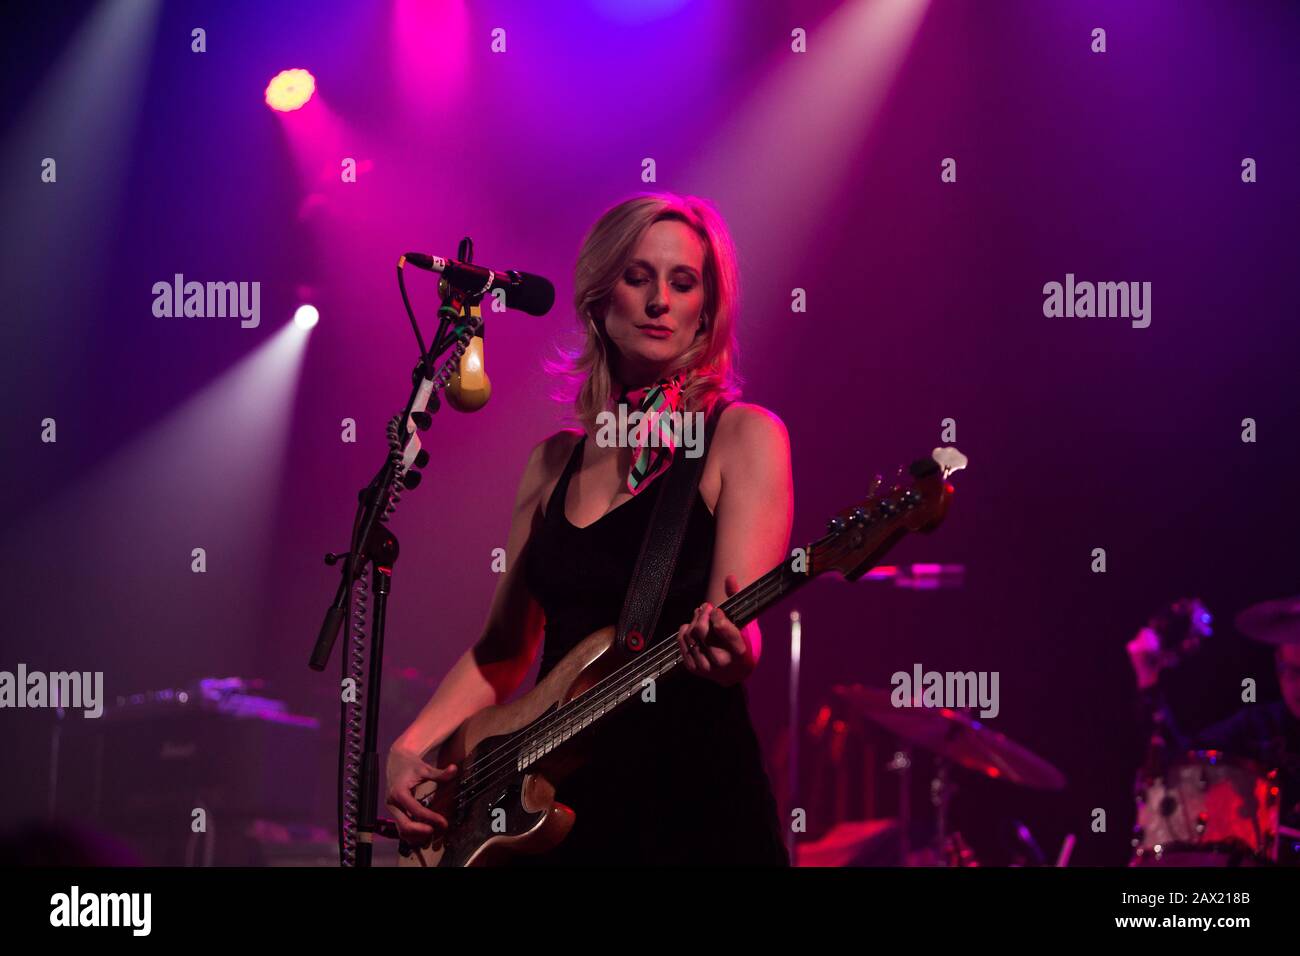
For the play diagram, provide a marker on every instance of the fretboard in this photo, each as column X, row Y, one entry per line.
column 657, row 660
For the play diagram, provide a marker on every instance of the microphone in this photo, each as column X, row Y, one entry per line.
column 524, row 291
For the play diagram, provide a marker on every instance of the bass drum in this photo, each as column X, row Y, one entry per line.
column 1207, row 809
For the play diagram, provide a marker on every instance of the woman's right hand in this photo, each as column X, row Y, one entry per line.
column 416, row 823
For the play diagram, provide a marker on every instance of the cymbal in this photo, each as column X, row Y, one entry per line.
column 1273, row 622
column 955, row 736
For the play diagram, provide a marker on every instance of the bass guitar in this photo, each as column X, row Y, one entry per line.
column 512, row 755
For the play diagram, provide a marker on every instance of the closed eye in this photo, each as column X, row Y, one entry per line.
column 679, row 286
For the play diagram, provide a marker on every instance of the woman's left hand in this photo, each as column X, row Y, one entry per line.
column 713, row 647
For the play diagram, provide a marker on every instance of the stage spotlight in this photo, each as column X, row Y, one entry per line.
column 306, row 316
column 290, row 90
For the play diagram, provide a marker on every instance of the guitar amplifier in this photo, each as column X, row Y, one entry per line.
column 144, row 768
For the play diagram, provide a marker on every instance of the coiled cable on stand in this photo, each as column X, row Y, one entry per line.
column 351, row 730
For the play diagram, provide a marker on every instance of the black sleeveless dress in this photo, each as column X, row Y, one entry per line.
column 679, row 780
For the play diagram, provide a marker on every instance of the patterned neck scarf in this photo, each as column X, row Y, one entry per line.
column 653, row 441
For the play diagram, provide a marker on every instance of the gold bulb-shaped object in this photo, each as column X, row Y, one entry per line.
column 470, row 388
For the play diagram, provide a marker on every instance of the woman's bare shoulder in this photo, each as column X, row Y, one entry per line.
column 753, row 427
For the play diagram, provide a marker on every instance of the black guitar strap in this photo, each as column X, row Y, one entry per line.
column 663, row 543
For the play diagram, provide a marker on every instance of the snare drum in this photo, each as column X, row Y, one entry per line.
column 1207, row 809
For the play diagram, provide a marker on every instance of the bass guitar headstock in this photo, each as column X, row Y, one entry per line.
column 859, row 536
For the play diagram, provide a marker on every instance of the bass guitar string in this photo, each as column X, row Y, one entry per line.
column 738, row 606
column 507, row 754
column 754, row 596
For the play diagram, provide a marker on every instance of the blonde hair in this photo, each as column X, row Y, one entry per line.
column 708, row 366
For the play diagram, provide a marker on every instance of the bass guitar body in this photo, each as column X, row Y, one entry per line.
column 495, row 808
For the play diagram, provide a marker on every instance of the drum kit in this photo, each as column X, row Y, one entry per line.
column 1210, row 808
column 1202, row 808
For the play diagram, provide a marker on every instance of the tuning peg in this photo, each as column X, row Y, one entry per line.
column 875, row 484
column 858, row 516
column 423, row 420
column 411, row 479
column 836, row 525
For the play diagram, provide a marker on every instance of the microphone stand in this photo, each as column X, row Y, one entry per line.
column 373, row 543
